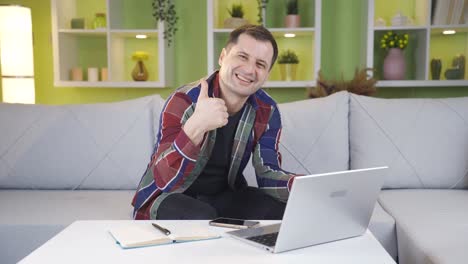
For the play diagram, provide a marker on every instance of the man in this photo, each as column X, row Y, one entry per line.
column 208, row 131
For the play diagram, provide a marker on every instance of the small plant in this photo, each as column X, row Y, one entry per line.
column 261, row 5
column 291, row 7
column 236, row 11
column 394, row 40
column 164, row 11
column 288, row 57
column 361, row 84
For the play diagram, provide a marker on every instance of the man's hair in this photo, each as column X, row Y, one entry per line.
column 258, row 32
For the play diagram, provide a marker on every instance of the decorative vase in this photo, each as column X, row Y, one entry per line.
column 288, row 71
column 234, row 22
column 394, row 66
column 459, row 63
column 99, row 21
column 436, row 67
column 77, row 23
column 453, row 74
column 292, row 21
column 140, row 73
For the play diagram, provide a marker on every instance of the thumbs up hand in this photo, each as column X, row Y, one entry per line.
column 210, row 113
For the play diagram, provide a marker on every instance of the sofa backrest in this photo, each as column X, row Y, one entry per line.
column 89, row 146
column 423, row 141
column 314, row 137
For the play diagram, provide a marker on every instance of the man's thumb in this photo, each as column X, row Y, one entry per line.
column 203, row 89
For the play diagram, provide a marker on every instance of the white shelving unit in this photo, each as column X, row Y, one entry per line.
column 306, row 43
column 110, row 47
column 426, row 42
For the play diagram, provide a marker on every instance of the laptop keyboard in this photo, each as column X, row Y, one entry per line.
column 267, row 239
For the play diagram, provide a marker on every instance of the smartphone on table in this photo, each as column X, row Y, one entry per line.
column 233, row 223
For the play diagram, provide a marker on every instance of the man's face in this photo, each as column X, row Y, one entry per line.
column 245, row 66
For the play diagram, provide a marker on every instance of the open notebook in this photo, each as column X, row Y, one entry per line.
column 141, row 235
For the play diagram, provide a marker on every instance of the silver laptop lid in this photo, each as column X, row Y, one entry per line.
column 328, row 207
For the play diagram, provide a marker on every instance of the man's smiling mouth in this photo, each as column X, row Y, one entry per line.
column 243, row 78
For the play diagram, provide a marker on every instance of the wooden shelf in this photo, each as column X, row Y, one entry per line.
column 426, row 42
column 110, row 47
column 307, row 40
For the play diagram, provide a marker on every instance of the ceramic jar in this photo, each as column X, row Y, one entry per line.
column 394, row 66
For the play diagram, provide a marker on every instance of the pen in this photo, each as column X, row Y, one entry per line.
column 162, row 229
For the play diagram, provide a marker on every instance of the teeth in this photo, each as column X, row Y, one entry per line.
column 243, row 79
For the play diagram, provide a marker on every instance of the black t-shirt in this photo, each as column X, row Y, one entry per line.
column 214, row 177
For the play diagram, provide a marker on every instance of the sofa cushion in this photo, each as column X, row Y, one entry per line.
column 31, row 217
column 20, row 240
column 423, row 141
column 314, row 137
column 89, row 146
column 432, row 225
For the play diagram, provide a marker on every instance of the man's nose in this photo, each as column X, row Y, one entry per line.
column 250, row 67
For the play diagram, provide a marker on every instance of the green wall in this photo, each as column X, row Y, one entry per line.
column 342, row 44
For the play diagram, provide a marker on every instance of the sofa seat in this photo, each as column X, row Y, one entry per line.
column 431, row 224
column 31, row 217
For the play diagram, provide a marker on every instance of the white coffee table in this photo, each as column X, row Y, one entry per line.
column 90, row 242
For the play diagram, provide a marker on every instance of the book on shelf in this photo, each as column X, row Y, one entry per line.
column 145, row 234
column 457, row 10
column 448, row 12
column 441, row 12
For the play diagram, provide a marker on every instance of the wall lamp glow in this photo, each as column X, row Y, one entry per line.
column 16, row 54
column 141, row 36
column 449, row 32
column 289, row 35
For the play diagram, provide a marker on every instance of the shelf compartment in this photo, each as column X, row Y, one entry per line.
column 69, row 9
column 417, row 11
column 445, row 48
column 131, row 14
column 415, row 54
column 122, row 45
column 276, row 13
column 221, row 7
column 90, row 51
column 303, row 44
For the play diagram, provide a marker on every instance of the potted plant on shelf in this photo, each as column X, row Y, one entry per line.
column 394, row 65
column 139, row 72
column 164, row 11
column 288, row 62
column 261, row 5
column 362, row 84
column 237, row 17
column 292, row 18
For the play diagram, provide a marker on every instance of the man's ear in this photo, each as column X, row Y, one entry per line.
column 221, row 56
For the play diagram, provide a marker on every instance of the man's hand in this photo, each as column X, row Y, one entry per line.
column 210, row 113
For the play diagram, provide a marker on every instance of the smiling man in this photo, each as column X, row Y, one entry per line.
column 207, row 134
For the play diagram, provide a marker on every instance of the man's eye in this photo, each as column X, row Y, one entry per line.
column 243, row 57
column 261, row 65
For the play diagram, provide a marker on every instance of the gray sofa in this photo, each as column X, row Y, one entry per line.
column 59, row 164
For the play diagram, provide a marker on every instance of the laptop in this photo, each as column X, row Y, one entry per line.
column 321, row 208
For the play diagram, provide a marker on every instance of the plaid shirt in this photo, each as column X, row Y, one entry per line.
column 176, row 162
